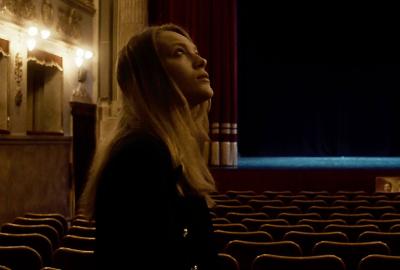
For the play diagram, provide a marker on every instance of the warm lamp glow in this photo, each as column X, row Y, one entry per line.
column 31, row 43
column 88, row 54
column 45, row 34
column 78, row 61
column 80, row 53
column 33, row 31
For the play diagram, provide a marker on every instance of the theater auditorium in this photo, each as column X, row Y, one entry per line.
column 301, row 153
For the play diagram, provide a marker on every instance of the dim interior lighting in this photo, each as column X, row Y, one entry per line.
column 88, row 54
column 31, row 43
column 33, row 31
column 45, row 34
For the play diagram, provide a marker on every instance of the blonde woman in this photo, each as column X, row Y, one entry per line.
column 149, row 183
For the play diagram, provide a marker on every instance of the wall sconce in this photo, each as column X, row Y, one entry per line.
column 80, row 92
column 33, row 32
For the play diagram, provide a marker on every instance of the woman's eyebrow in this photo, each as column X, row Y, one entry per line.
column 184, row 45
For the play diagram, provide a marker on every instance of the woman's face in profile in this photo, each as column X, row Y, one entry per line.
column 185, row 66
column 387, row 187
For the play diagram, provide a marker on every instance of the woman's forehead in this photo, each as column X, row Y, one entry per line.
column 169, row 39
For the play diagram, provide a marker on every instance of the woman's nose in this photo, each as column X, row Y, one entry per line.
column 199, row 61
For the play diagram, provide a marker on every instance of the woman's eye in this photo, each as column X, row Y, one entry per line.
column 179, row 51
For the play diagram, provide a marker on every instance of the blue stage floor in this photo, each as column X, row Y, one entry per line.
column 384, row 163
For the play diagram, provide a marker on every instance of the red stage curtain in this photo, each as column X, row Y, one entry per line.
column 212, row 25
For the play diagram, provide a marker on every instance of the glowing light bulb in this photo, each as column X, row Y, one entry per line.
column 80, row 53
column 88, row 54
column 45, row 34
column 33, row 31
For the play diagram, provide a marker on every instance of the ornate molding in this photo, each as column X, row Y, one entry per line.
column 69, row 22
column 47, row 12
column 18, row 78
column 86, row 5
column 20, row 8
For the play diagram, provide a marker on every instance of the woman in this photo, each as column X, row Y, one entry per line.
column 149, row 184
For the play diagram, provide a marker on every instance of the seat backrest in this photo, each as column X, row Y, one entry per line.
column 57, row 216
column 289, row 198
column 350, row 194
column 222, row 238
column 271, row 194
column 78, row 242
column 274, row 211
column 227, row 202
column 42, row 221
column 394, row 203
column 351, row 204
column 390, row 195
column 45, row 230
column 312, row 194
column 351, row 253
column 238, row 217
column 73, row 259
column 234, row 193
column 233, row 227
column 82, row 231
column 38, row 242
column 222, row 210
column 258, row 204
column 319, row 224
column 351, row 218
column 326, row 211
column 83, row 223
column 376, row 211
column 245, row 198
column 379, row 262
column 383, row 224
column 330, row 198
column 391, row 216
column 246, row 251
column 395, row 228
column 254, row 224
column 307, row 240
column 276, row 262
column 220, row 220
column 227, row 262
column 305, row 204
column 371, row 198
column 219, row 197
column 293, row 218
column 278, row 231
column 352, row 231
column 20, row 258
column 392, row 239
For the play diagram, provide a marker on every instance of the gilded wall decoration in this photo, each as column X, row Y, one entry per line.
column 69, row 22
column 18, row 78
column 87, row 5
column 20, row 8
column 47, row 12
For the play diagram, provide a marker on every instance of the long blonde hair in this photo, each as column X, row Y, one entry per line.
column 153, row 103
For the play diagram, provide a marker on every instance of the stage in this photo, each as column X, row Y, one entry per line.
column 306, row 173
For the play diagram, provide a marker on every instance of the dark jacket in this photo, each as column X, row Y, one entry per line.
column 142, row 221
